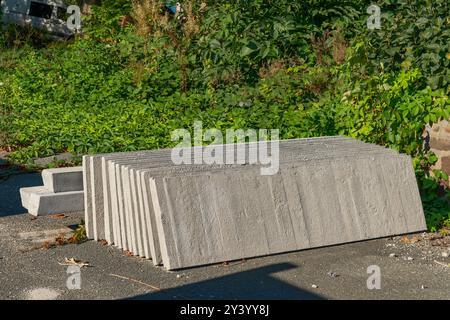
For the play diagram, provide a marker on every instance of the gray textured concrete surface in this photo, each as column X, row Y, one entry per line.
column 63, row 179
column 62, row 192
column 131, row 183
column 87, row 196
column 41, row 201
column 96, row 181
column 161, row 164
column 148, row 208
column 230, row 215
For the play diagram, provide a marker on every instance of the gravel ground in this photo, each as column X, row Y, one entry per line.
column 430, row 248
column 31, row 269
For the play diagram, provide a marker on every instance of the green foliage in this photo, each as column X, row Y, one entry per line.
column 105, row 20
column 79, row 235
column 239, row 37
column 390, row 110
column 435, row 201
column 308, row 68
column 414, row 34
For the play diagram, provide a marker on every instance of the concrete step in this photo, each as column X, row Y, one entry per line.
column 41, row 201
column 63, row 179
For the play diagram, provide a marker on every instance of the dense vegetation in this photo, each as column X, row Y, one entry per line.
column 308, row 68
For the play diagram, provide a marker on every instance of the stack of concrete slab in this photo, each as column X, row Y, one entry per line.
column 62, row 192
column 327, row 191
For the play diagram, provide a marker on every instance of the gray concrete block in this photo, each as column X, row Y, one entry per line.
column 107, row 203
column 88, row 214
column 97, row 198
column 166, row 154
column 112, row 209
column 40, row 201
column 144, row 225
column 139, row 218
column 134, row 161
column 150, row 235
column 214, row 217
column 129, row 189
column 152, row 232
column 126, row 213
column 132, row 213
column 63, row 179
column 125, row 229
column 163, row 160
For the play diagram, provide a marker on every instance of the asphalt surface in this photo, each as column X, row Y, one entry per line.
column 11, row 180
column 29, row 270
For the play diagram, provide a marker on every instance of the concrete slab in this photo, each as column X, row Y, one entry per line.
column 261, row 215
column 124, row 224
column 138, row 215
column 88, row 214
column 40, row 201
column 63, row 179
column 132, row 213
column 97, row 198
column 152, row 231
column 135, row 162
column 149, row 213
column 108, row 224
column 138, row 192
column 124, row 231
column 112, row 204
column 127, row 213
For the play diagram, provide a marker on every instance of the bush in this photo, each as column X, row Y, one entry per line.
column 308, row 68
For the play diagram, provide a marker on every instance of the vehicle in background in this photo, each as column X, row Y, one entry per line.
column 46, row 15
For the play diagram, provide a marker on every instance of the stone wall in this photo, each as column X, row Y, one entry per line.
column 439, row 135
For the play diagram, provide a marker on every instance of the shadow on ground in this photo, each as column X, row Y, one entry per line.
column 11, row 180
column 259, row 283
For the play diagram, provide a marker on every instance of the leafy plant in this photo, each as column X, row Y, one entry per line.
column 79, row 234
column 308, row 68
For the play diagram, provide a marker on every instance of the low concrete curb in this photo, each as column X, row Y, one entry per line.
column 62, row 192
column 63, row 179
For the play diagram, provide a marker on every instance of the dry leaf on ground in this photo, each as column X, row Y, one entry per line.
column 74, row 262
column 58, row 216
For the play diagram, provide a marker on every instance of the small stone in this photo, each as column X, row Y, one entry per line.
column 314, row 286
column 178, row 276
column 42, row 294
column 423, row 287
column 332, row 274
column 410, row 258
column 444, row 254
column 392, row 255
